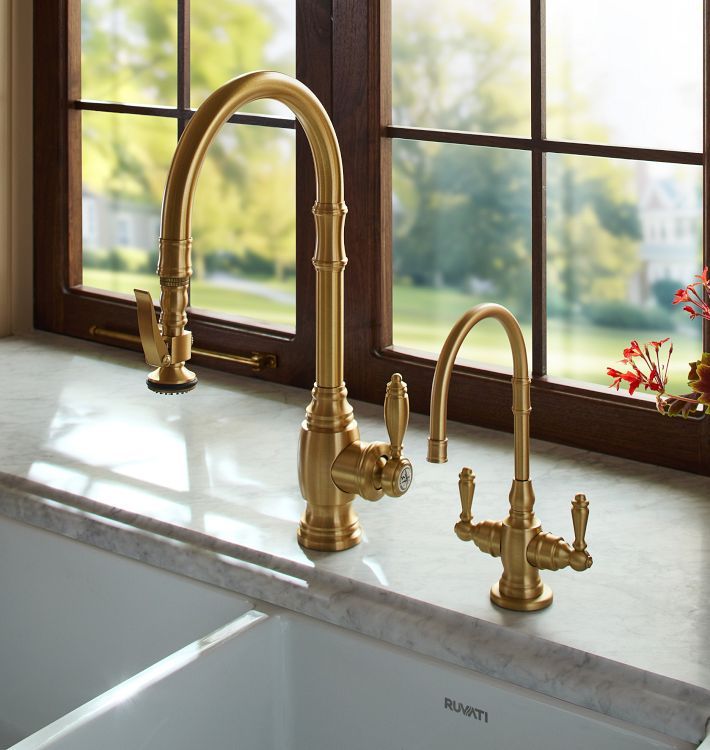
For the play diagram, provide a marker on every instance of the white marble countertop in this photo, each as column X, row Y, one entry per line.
column 206, row 484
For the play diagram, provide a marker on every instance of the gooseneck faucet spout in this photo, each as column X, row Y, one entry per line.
column 334, row 464
column 521, row 385
column 519, row 539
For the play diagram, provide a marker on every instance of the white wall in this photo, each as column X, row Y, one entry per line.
column 15, row 166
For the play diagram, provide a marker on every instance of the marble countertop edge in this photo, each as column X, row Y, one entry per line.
column 594, row 682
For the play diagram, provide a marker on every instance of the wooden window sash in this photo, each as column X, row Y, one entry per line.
column 590, row 417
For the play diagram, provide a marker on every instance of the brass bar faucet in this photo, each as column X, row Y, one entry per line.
column 334, row 464
column 519, row 539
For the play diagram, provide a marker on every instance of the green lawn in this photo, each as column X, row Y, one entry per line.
column 423, row 317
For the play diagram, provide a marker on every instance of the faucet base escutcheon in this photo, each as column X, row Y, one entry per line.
column 543, row 600
column 329, row 528
column 329, row 523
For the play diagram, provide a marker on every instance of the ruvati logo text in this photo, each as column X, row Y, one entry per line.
column 471, row 711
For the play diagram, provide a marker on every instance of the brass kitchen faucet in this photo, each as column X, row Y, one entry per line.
column 334, row 465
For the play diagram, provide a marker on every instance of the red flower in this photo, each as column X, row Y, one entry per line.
column 646, row 371
column 693, row 294
column 632, row 378
column 658, row 344
column 633, row 350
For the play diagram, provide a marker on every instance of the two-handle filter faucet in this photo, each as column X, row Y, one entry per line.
column 334, row 465
column 519, row 539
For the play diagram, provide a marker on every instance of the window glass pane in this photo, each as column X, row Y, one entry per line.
column 626, row 73
column 461, row 236
column 622, row 237
column 125, row 160
column 244, row 226
column 129, row 51
column 461, row 65
column 232, row 37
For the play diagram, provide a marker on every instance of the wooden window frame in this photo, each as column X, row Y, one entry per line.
column 343, row 55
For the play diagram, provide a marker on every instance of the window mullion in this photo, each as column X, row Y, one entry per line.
column 538, row 184
column 183, row 62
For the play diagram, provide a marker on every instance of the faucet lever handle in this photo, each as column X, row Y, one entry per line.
column 154, row 347
column 580, row 516
column 467, row 486
column 396, row 413
column 579, row 558
column 396, row 475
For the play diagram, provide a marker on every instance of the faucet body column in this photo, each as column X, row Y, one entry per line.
column 520, row 583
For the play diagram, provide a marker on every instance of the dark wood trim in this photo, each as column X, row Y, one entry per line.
column 266, row 121
column 552, row 147
column 381, row 116
column 357, row 120
column 146, row 110
column 458, row 136
column 74, row 269
column 314, row 53
column 183, row 61
column 538, row 188
column 622, row 152
column 51, row 175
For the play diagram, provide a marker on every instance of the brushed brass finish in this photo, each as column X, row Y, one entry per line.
column 334, row 465
column 519, row 539
column 168, row 353
column 257, row 361
column 156, row 352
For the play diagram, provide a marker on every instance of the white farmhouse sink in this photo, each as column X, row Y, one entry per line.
column 75, row 621
column 286, row 682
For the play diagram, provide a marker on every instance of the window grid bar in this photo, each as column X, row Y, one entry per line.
column 183, row 62
column 267, row 121
column 576, row 148
column 538, row 188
